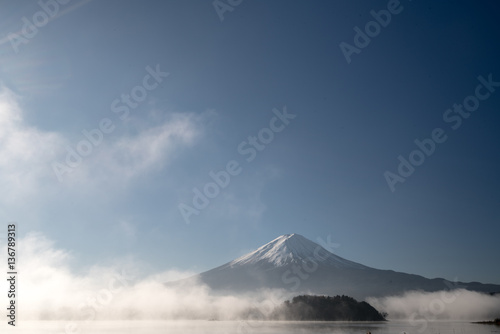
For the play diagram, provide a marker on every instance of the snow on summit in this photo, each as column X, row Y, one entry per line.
column 291, row 248
column 280, row 251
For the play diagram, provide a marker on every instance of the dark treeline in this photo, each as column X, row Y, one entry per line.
column 494, row 322
column 324, row 308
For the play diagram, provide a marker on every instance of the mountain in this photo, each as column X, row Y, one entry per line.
column 298, row 265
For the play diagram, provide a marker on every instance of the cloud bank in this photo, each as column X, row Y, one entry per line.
column 50, row 290
column 419, row 307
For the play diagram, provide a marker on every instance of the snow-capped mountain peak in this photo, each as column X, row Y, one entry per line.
column 296, row 263
column 292, row 248
column 282, row 250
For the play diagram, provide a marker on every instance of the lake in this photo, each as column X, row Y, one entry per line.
column 245, row 327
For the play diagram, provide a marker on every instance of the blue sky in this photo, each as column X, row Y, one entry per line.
column 321, row 175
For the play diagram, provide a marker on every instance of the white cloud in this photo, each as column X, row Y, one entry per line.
column 150, row 149
column 26, row 153
column 171, row 275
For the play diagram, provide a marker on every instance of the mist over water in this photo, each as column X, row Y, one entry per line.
column 442, row 305
column 50, row 290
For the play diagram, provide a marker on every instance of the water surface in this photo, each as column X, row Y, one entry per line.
column 245, row 327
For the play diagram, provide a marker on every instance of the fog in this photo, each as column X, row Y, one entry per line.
column 49, row 289
column 457, row 304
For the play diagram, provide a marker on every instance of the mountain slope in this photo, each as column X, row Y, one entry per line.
column 298, row 265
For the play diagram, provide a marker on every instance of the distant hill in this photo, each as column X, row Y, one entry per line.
column 494, row 322
column 323, row 308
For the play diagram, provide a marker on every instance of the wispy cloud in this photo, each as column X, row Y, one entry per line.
column 149, row 149
column 26, row 152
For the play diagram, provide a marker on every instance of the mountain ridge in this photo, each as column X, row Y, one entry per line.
column 295, row 263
